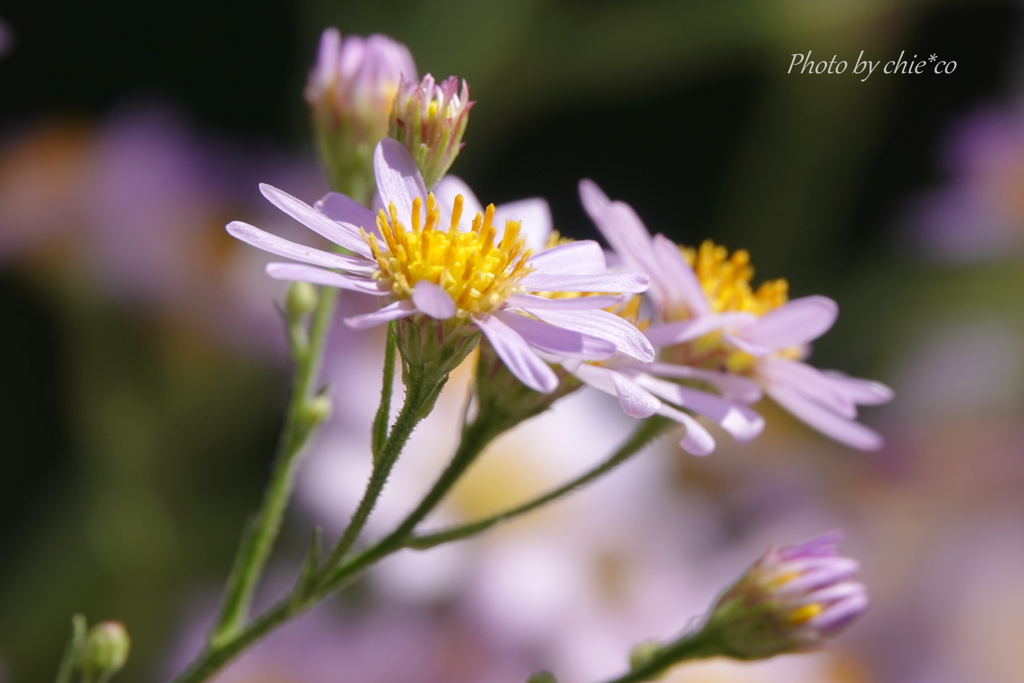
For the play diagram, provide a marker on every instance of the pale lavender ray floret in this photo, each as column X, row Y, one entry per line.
column 775, row 342
column 581, row 329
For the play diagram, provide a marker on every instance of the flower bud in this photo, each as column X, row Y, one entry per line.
column 317, row 409
column 791, row 600
column 300, row 299
column 642, row 653
column 351, row 91
column 105, row 651
column 430, row 119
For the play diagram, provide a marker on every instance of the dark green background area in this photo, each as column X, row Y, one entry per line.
column 683, row 109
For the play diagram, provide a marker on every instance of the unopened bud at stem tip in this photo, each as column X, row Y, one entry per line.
column 105, row 651
column 301, row 299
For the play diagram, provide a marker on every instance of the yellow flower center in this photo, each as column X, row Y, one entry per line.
column 478, row 274
column 726, row 280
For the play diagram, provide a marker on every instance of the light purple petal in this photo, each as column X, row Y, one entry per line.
column 809, row 382
column 393, row 311
column 635, row 401
column 824, row 420
column 342, row 235
column 831, row 585
column 822, row 545
column 681, row 284
column 555, row 340
column 344, row 209
column 319, row 276
column 282, row 247
column 578, row 303
column 594, row 200
column 513, row 350
column 445, row 192
column 534, row 216
column 698, row 441
column 575, row 258
column 398, row 180
column 632, row 283
column 670, row 334
column 839, row 615
column 433, row 300
column 603, row 325
column 864, row 391
column 732, row 387
column 793, row 324
column 740, row 421
column 628, row 237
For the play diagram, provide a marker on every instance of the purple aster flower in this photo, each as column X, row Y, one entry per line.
column 423, row 260
column 979, row 215
column 793, row 599
column 713, row 328
column 430, row 119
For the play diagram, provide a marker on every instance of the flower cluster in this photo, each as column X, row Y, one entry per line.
column 670, row 331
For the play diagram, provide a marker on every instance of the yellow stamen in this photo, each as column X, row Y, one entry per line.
column 805, row 613
column 726, row 280
column 475, row 272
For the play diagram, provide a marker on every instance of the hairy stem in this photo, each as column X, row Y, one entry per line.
column 475, row 437
column 417, row 396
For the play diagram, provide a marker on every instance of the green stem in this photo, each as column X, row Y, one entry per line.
column 259, row 538
column 475, row 438
column 418, row 396
column 695, row 646
column 73, row 651
column 380, row 421
column 648, row 430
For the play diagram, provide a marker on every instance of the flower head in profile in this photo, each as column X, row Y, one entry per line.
column 430, row 119
column 351, row 91
column 793, row 599
column 355, row 80
column 442, row 257
column 712, row 327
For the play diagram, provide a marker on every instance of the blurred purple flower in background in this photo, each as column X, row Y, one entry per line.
column 980, row 213
column 6, row 38
column 135, row 209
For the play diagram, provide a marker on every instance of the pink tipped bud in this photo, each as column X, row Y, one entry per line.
column 351, row 91
column 791, row 600
column 430, row 119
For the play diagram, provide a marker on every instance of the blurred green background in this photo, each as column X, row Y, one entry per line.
column 138, row 420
